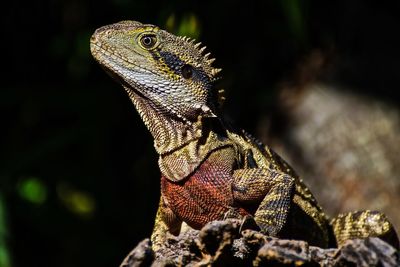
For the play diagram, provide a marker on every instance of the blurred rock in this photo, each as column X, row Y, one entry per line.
column 345, row 146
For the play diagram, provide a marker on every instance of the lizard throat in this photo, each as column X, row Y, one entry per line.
column 170, row 133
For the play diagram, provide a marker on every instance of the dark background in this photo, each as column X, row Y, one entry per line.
column 79, row 182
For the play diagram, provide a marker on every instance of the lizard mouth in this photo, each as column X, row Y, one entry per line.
column 129, row 88
column 118, row 78
column 109, row 64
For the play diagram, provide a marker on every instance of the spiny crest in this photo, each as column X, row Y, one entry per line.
column 205, row 56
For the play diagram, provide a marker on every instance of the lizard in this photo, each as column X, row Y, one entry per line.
column 211, row 170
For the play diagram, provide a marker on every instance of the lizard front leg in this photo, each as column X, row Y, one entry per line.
column 166, row 222
column 271, row 190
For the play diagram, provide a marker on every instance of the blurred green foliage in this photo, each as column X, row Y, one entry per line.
column 188, row 26
column 78, row 202
column 294, row 11
column 4, row 254
column 33, row 190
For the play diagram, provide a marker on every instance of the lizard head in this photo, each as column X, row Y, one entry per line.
column 169, row 71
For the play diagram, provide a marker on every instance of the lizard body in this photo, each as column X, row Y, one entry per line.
column 209, row 170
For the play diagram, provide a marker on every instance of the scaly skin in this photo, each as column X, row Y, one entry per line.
column 209, row 170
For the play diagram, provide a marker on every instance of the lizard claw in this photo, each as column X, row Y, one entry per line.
column 248, row 222
column 232, row 214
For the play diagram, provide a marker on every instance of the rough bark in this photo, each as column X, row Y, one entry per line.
column 222, row 243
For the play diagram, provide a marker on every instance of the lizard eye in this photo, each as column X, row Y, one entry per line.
column 148, row 41
column 187, row 71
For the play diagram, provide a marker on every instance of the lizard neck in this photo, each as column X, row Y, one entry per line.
column 182, row 145
column 170, row 133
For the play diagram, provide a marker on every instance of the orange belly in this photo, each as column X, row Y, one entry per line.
column 205, row 195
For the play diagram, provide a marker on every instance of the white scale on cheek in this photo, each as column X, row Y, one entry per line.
column 166, row 93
